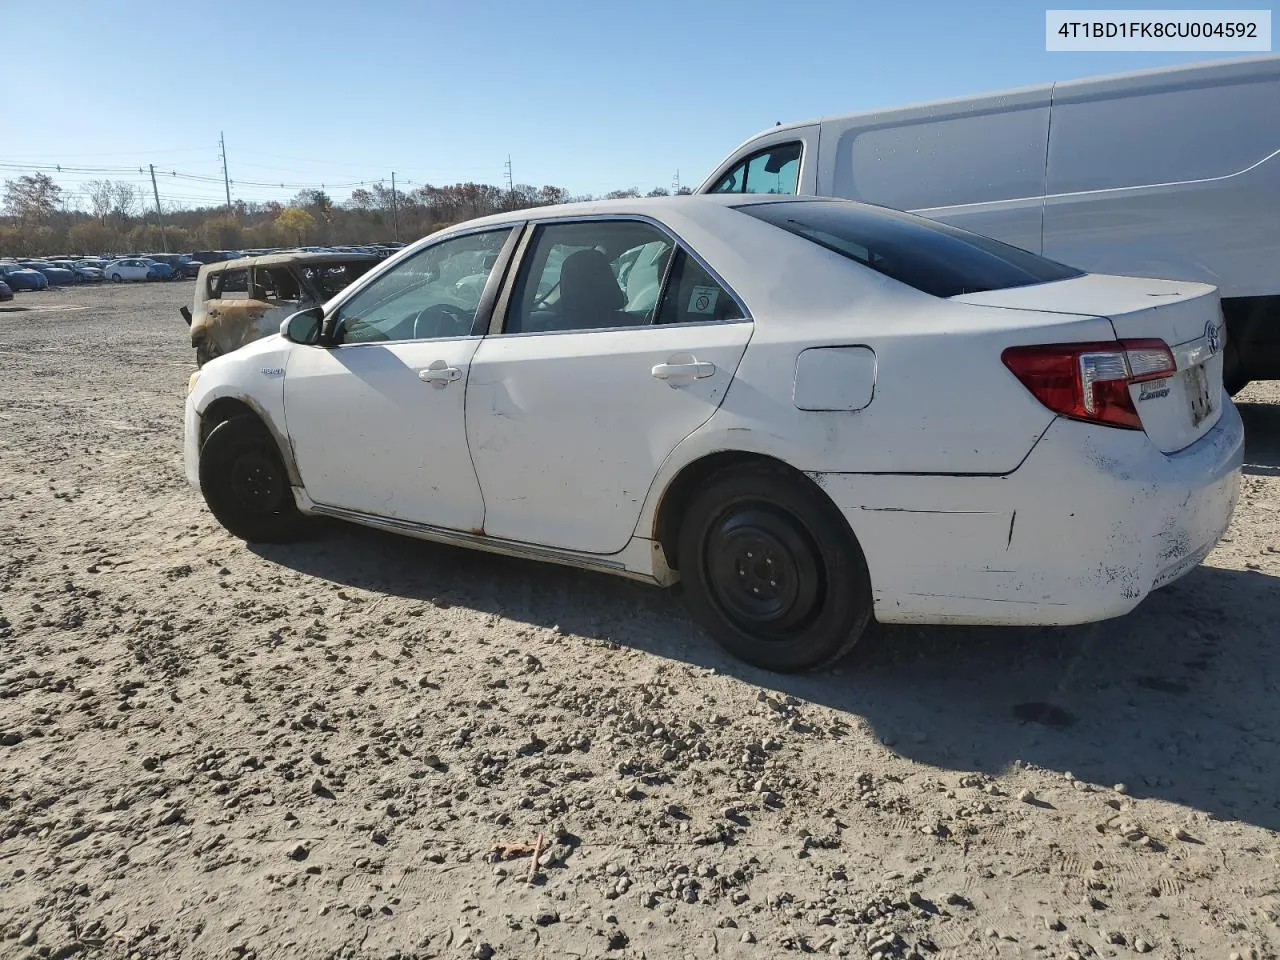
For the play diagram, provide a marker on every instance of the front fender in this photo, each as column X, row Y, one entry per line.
column 254, row 376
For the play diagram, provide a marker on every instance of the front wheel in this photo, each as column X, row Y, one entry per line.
column 245, row 483
column 116, row 278
column 772, row 571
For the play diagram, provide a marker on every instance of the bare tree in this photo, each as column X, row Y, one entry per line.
column 124, row 200
column 99, row 193
column 361, row 199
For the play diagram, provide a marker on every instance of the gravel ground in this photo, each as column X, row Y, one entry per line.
column 353, row 746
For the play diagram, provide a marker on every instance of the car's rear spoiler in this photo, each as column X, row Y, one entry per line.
column 186, row 314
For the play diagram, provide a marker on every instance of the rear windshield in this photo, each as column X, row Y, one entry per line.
column 932, row 257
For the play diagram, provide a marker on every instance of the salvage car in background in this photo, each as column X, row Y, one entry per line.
column 181, row 264
column 909, row 421
column 156, row 270
column 130, row 268
column 57, row 276
column 238, row 301
column 6, row 293
column 83, row 273
column 19, row 277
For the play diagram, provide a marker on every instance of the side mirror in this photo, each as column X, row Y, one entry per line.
column 304, row 326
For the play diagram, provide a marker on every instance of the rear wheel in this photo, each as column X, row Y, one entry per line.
column 772, row 571
column 245, row 483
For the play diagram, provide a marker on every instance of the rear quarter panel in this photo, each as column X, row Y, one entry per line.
column 942, row 401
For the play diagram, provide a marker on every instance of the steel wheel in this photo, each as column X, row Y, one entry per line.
column 762, row 570
column 771, row 569
column 256, row 482
column 245, row 483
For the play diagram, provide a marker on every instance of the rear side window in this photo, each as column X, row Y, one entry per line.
column 933, row 257
column 692, row 295
column 231, row 285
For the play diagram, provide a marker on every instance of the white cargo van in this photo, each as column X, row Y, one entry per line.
column 1171, row 173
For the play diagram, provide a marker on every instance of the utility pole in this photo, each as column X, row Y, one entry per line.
column 226, row 181
column 675, row 183
column 510, row 183
column 395, row 210
column 164, row 241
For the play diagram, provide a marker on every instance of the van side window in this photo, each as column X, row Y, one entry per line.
column 773, row 170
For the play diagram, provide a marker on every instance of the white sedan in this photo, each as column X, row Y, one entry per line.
column 130, row 268
column 811, row 412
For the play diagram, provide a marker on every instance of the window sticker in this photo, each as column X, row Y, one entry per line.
column 703, row 300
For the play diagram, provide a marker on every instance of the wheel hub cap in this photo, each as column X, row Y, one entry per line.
column 761, row 571
column 256, row 483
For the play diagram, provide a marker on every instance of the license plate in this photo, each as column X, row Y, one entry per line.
column 1198, row 395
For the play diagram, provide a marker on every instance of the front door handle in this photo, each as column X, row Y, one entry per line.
column 439, row 374
column 683, row 369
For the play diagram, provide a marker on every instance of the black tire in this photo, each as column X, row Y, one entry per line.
column 772, row 571
column 1234, row 378
column 245, row 484
column 115, row 278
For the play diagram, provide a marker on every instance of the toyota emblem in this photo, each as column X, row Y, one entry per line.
column 1213, row 335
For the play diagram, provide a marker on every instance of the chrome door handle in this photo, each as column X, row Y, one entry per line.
column 439, row 374
column 692, row 370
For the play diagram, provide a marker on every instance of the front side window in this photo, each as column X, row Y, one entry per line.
column 229, row 285
column 933, row 257
column 275, row 283
column 608, row 274
column 434, row 293
column 589, row 275
column 774, row 170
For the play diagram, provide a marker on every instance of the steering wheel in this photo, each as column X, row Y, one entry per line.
column 442, row 320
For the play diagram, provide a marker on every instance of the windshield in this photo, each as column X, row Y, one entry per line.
column 933, row 257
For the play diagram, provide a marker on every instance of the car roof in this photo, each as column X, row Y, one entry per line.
column 686, row 205
column 283, row 259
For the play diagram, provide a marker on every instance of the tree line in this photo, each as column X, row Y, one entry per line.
column 38, row 222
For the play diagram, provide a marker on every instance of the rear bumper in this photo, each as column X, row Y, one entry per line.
column 1094, row 520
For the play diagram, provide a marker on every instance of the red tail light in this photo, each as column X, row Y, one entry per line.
column 1090, row 381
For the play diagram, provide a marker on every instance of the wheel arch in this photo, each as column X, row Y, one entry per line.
column 225, row 408
column 680, row 490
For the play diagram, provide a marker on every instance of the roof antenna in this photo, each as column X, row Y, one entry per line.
column 777, row 123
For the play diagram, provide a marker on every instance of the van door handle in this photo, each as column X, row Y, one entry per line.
column 683, row 371
column 439, row 374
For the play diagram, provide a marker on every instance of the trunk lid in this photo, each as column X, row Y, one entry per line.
column 1179, row 409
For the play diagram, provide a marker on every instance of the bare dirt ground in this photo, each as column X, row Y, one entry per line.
column 352, row 746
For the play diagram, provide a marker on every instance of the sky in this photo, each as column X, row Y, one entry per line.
column 591, row 96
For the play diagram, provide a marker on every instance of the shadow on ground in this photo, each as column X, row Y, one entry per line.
column 1177, row 700
column 1180, row 700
